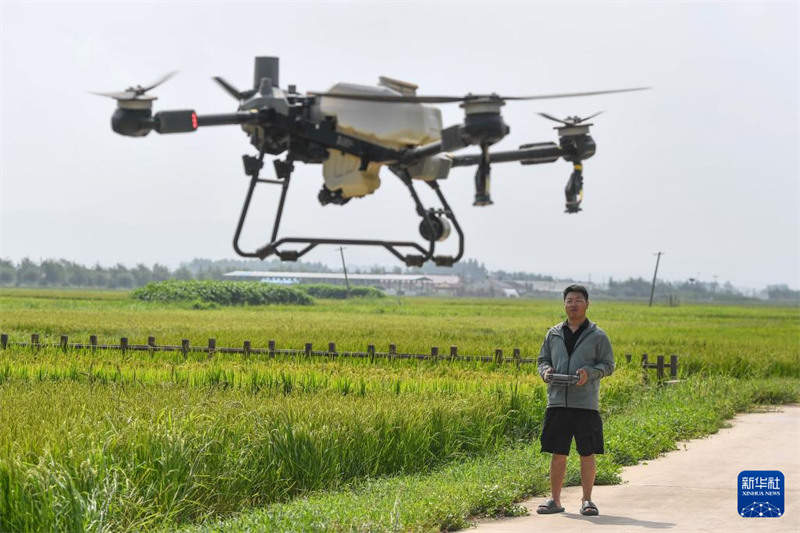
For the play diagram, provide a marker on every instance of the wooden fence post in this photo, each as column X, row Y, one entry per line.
column 628, row 357
column 660, row 367
column 498, row 356
column 4, row 340
column 453, row 353
column 435, row 353
column 123, row 345
column 35, row 340
column 64, row 343
column 332, row 350
column 271, row 347
column 673, row 366
column 517, row 357
column 309, row 349
column 185, row 348
column 246, row 348
column 212, row 347
column 371, row 352
column 392, row 351
column 93, row 342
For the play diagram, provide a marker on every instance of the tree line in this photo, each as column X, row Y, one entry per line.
column 63, row 273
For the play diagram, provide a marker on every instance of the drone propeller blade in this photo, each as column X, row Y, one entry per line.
column 391, row 98
column 592, row 116
column 554, row 119
column 230, row 89
column 469, row 97
column 122, row 95
column 159, row 82
column 571, row 95
column 126, row 95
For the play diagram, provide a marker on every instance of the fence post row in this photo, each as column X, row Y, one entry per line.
column 435, row 355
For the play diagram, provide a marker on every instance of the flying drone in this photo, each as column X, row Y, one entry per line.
column 354, row 131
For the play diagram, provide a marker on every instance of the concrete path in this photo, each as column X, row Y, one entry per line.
column 692, row 489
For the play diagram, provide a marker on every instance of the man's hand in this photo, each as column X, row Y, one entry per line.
column 547, row 374
column 583, row 376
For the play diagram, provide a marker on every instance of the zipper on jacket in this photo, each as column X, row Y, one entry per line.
column 569, row 358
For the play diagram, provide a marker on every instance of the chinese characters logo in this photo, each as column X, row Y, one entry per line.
column 761, row 494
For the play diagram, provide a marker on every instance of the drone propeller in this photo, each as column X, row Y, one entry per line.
column 233, row 91
column 468, row 98
column 137, row 93
column 570, row 121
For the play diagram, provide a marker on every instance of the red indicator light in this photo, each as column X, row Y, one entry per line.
column 194, row 120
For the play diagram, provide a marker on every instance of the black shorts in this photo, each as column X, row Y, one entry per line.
column 561, row 424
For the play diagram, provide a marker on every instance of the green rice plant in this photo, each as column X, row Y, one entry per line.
column 450, row 497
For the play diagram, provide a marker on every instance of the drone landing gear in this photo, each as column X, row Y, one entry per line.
column 433, row 226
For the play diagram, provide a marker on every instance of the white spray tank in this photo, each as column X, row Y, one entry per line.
column 394, row 125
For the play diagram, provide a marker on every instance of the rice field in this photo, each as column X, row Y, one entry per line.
column 106, row 441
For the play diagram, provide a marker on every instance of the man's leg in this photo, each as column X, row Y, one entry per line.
column 588, row 471
column 558, row 469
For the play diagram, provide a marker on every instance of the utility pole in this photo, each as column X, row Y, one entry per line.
column 344, row 267
column 653, row 287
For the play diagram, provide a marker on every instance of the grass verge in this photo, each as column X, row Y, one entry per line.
column 450, row 497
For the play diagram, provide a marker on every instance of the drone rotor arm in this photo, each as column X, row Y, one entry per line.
column 527, row 154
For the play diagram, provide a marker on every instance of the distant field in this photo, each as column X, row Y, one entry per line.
column 723, row 339
column 111, row 442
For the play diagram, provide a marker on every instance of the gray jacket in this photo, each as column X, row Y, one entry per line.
column 592, row 352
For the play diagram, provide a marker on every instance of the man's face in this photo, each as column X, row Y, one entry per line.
column 576, row 305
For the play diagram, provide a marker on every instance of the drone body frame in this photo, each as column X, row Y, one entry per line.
column 306, row 129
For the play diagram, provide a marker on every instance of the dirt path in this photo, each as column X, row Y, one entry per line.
column 692, row 489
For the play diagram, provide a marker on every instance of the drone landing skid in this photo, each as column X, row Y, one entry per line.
column 431, row 222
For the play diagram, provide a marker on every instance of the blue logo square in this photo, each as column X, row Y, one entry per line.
column 761, row 494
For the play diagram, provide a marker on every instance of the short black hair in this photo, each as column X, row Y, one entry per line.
column 577, row 288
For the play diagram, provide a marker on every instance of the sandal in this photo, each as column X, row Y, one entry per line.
column 549, row 507
column 588, row 508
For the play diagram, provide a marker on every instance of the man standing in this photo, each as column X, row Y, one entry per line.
column 575, row 347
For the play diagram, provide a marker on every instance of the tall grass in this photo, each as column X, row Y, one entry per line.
column 174, row 454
